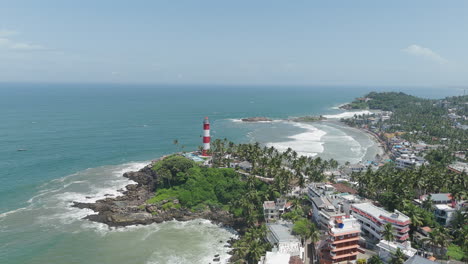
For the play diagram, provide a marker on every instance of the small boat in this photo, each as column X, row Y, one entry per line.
column 21, row 149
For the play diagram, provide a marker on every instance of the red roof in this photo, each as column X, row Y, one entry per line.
column 344, row 188
column 295, row 260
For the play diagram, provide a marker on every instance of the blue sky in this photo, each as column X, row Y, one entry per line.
column 422, row 43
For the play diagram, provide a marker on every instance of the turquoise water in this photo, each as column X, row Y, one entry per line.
column 80, row 138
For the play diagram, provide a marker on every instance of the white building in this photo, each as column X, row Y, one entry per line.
column 280, row 237
column 387, row 249
column 409, row 161
column 275, row 258
column 444, row 206
column 373, row 219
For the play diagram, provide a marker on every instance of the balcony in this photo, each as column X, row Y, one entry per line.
column 355, row 246
column 339, row 241
column 335, row 256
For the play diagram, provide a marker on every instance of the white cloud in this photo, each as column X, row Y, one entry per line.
column 9, row 44
column 427, row 53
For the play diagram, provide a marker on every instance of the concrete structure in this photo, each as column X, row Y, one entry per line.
column 387, row 249
column 280, row 237
column 245, row 165
column 275, row 258
column 444, row 206
column 328, row 203
column 409, row 161
column 373, row 219
column 323, row 211
column 320, row 189
column 272, row 210
column 436, row 198
column 342, row 243
column 458, row 167
column 444, row 214
column 419, row 260
column 206, row 137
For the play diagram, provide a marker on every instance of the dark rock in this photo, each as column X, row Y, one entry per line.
column 256, row 119
column 131, row 207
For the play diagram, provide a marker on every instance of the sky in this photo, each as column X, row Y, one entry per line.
column 405, row 43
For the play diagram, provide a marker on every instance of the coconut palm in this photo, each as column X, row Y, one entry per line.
column 314, row 236
column 398, row 257
column 374, row 260
column 388, row 232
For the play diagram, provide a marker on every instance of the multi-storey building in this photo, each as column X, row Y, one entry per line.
column 445, row 206
column 342, row 242
column 373, row 219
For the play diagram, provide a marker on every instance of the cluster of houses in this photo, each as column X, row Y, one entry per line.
column 406, row 154
column 457, row 119
column 349, row 226
column 365, row 223
column 444, row 206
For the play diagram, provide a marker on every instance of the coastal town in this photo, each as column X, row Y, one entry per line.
column 408, row 205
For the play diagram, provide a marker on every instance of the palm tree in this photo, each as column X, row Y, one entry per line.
column 374, row 260
column 438, row 238
column 398, row 257
column 314, row 236
column 388, row 232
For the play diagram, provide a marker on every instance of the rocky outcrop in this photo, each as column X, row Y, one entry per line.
column 256, row 119
column 131, row 208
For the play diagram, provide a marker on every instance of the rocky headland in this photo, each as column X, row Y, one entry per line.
column 256, row 119
column 131, row 208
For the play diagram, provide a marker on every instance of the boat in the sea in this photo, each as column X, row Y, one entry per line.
column 21, row 149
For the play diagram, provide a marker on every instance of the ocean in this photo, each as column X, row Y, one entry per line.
column 78, row 139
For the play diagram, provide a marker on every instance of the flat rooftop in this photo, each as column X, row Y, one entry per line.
column 459, row 166
column 269, row 205
column 376, row 212
column 282, row 232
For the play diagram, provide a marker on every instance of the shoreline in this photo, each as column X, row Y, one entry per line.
column 377, row 139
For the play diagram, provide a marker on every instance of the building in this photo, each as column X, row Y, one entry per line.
column 342, row 242
column 280, row 236
column 436, row 198
column 323, row 211
column 275, row 258
column 444, row 206
column 406, row 162
column 387, row 249
column 320, row 189
column 272, row 210
column 330, row 201
column 459, row 167
column 419, row 260
column 373, row 219
column 245, row 165
column 444, row 214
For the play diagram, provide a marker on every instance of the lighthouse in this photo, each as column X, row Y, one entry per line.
column 206, row 137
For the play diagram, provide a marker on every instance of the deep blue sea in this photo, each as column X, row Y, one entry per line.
column 80, row 138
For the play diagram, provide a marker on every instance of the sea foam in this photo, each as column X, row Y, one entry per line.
column 348, row 114
column 308, row 143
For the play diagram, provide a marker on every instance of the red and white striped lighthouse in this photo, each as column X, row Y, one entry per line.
column 206, row 137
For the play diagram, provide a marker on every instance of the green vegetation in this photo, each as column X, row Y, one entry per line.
column 198, row 187
column 185, row 184
column 398, row 257
column 395, row 188
column 250, row 247
column 374, row 260
column 425, row 119
column 455, row 252
column 286, row 168
column 308, row 119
